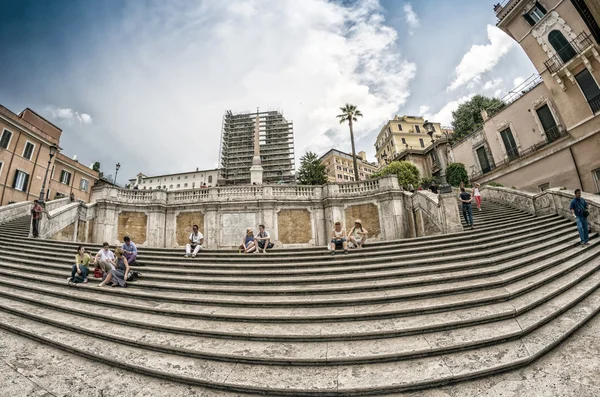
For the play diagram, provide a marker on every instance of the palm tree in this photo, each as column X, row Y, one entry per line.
column 350, row 114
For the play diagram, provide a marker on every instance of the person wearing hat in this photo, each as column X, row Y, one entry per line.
column 249, row 243
column 358, row 234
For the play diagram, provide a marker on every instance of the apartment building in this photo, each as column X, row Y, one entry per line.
column 549, row 136
column 340, row 168
column 70, row 176
column 181, row 181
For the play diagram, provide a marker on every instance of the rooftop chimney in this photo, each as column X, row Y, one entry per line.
column 484, row 115
column 362, row 156
column 74, row 157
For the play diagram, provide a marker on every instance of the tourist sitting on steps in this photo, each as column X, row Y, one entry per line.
column 117, row 277
column 196, row 240
column 105, row 259
column 338, row 238
column 80, row 270
column 249, row 243
column 129, row 250
column 358, row 234
column 263, row 239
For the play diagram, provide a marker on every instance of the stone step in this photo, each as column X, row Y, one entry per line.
column 344, row 379
column 349, row 274
column 430, row 298
column 268, row 262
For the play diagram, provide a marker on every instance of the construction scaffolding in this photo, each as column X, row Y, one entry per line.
column 237, row 147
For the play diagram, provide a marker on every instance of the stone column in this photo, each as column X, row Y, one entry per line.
column 450, row 213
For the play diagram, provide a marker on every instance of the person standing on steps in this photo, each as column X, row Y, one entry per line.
column 129, row 250
column 118, row 275
column 338, row 238
column 105, row 259
column 466, row 199
column 477, row 195
column 263, row 239
column 579, row 209
column 196, row 240
column 358, row 234
column 80, row 268
column 36, row 213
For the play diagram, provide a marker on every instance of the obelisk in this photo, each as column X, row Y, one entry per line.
column 256, row 171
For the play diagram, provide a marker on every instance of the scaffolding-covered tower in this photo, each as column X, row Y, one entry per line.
column 237, row 147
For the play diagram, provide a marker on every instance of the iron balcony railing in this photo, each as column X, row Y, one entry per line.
column 595, row 104
column 512, row 153
column 568, row 52
column 554, row 133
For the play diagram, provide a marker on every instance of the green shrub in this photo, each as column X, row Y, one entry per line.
column 456, row 173
column 406, row 171
column 426, row 182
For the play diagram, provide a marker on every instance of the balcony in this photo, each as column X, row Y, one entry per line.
column 554, row 133
column 595, row 104
column 512, row 153
column 574, row 48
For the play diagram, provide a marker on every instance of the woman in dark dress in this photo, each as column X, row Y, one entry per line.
column 118, row 276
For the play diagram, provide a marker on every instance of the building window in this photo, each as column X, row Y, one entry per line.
column 185, row 185
column 150, row 181
column 544, row 186
column 65, row 177
column 587, row 14
column 210, row 179
column 5, row 140
column 164, row 186
column 340, row 176
column 548, row 123
column 596, row 174
column 400, row 127
column 28, row 150
column 144, row 182
column 1, row 165
column 178, row 185
column 561, row 45
column 418, row 129
column 509, row 144
column 21, row 181
column 590, row 89
column 84, row 185
column 178, row 178
column 404, row 141
column 170, row 186
column 484, row 162
column 422, row 142
column 535, row 14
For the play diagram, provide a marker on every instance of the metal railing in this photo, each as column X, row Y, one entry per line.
column 595, row 104
column 575, row 47
column 512, row 153
column 554, row 133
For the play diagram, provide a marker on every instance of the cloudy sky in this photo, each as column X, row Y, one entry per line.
column 146, row 83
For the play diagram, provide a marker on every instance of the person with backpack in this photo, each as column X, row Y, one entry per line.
column 579, row 209
column 80, row 270
column 117, row 276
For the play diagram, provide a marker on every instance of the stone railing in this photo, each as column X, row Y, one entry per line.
column 359, row 187
column 187, row 196
column 296, row 191
column 14, row 211
column 135, row 195
column 551, row 201
column 239, row 192
column 65, row 220
column 54, row 204
column 432, row 214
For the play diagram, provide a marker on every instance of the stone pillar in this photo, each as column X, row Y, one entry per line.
column 170, row 228
column 155, row 228
column 450, row 213
column 321, row 230
column 211, row 228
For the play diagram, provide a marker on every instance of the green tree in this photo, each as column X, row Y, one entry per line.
column 406, row 171
column 426, row 182
column 96, row 166
column 456, row 173
column 311, row 171
column 350, row 114
column 468, row 115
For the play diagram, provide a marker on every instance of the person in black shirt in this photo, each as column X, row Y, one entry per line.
column 466, row 200
column 433, row 188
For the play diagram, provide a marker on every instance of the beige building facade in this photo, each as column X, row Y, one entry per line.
column 549, row 136
column 340, row 168
column 70, row 176
column 185, row 180
column 403, row 132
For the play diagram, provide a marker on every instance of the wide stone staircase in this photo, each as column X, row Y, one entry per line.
column 18, row 227
column 394, row 316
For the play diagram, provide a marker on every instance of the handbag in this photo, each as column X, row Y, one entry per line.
column 585, row 213
column 98, row 273
column 133, row 275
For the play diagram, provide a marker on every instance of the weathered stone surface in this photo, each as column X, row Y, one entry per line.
column 66, row 234
column 81, row 231
column 368, row 214
column 185, row 221
column 134, row 225
column 90, row 234
column 233, row 227
column 294, row 226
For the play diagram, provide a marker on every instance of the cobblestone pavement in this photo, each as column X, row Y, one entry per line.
column 30, row 369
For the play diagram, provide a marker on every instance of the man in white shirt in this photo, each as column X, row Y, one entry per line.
column 264, row 239
column 196, row 239
column 105, row 259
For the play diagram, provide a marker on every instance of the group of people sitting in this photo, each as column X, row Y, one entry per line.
column 255, row 243
column 356, row 238
column 112, row 267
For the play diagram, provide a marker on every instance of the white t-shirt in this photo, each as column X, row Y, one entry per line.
column 476, row 192
column 104, row 255
column 196, row 238
column 264, row 234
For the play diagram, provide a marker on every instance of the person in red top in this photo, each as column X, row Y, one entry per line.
column 36, row 212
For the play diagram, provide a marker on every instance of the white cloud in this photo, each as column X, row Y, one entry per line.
column 493, row 84
column 444, row 115
column 69, row 115
column 423, row 110
column 518, row 81
column 482, row 58
column 411, row 17
column 166, row 74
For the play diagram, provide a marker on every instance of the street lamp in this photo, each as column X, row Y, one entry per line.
column 384, row 157
column 53, row 150
column 444, row 186
column 117, row 171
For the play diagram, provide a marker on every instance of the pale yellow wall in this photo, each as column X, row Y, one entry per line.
column 333, row 163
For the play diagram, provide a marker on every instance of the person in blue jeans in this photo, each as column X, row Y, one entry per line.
column 466, row 199
column 579, row 211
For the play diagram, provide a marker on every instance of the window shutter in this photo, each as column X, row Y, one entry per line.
column 25, row 182
column 541, row 7
column 529, row 19
column 15, row 180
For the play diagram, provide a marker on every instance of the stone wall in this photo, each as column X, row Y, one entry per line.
column 185, row 221
column 368, row 214
column 134, row 225
column 294, row 226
